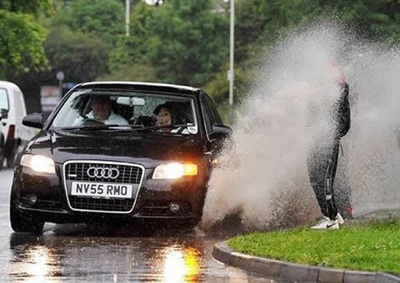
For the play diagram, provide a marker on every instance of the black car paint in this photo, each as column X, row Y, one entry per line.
column 143, row 148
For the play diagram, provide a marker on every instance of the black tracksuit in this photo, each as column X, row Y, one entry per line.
column 322, row 161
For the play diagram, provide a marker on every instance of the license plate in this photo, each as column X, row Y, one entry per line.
column 108, row 190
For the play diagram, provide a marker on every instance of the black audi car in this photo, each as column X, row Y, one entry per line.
column 81, row 169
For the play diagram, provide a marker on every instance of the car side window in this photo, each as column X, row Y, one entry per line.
column 211, row 115
column 3, row 99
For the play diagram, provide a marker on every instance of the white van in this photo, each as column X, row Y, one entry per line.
column 13, row 134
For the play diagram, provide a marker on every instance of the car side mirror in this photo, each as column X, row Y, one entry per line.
column 220, row 132
column 34, row 120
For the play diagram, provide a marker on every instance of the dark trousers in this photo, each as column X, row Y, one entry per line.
column 322, row 164
column 342, row 187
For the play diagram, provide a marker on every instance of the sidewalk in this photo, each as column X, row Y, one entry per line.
column 303, row 273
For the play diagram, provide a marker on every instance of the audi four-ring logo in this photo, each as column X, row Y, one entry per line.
column 100, row 172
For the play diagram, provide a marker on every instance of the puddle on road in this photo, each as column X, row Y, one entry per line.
column 263, row 179
column 60, row 254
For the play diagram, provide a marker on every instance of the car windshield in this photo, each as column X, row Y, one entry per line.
column 127, row 110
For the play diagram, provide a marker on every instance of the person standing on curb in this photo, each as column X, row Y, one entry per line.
column 323, row 158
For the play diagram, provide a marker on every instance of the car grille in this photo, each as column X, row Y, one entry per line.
column 77, row 171
column 101, row 204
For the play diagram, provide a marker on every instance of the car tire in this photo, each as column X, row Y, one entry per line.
column 2, row 158
column 2, row 152
column 11, row 154
column 21, row 224
column 10, row 160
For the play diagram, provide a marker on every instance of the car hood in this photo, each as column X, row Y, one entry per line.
column 146, row 149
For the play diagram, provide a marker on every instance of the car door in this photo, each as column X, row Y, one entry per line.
column 216, row 132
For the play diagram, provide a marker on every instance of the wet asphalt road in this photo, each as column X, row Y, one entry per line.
column 78, row 253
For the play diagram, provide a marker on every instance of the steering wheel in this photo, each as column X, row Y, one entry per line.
column 92, row 122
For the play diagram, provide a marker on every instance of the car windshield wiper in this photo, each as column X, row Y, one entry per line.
column 131, row 128
column 97, row 127
column 156, row 128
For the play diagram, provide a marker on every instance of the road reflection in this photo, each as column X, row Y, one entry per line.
column 137, row 258
column 81, row 253
column 33, row 261
column 180, row 264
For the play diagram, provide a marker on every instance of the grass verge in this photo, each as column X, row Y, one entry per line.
column 373, row 246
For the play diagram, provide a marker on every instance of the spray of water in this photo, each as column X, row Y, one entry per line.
column 263, row 177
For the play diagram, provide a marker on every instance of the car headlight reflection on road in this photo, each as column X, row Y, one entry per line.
column 175, row 170
column 38, row 163
column 181, row 264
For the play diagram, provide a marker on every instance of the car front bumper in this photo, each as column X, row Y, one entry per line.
column 46, row 197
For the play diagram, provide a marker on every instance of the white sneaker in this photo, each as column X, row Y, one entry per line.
column 339, row 219
column 326, row 223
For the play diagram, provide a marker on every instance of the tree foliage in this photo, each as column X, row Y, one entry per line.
column 105, row 18
column 181, row 41
column 81, row 56
column 21, row 43
column 22, row 36
column 260, row 24
column 26, row 7
column 82, row 35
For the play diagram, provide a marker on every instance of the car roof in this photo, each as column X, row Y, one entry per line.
column 145, row 86
column 9, row 85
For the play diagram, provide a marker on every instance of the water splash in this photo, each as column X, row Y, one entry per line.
column 263, row 176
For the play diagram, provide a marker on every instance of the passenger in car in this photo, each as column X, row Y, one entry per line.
column 102, row 111
column 165, row 117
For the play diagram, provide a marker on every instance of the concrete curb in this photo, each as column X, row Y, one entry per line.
column 291, row 271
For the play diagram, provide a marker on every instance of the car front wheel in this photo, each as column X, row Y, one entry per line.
column 22, row 224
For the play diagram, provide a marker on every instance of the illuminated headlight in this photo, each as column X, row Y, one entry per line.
column 38, row 163
column 174, row 170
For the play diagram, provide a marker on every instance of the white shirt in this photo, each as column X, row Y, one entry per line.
column 113, row 119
